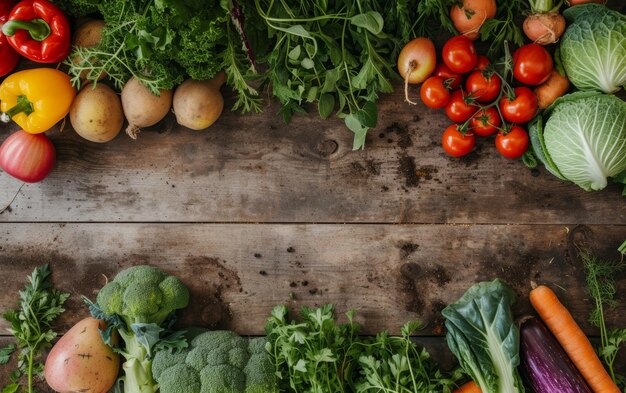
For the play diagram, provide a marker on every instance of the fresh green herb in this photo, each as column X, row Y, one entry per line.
column 338, row 56
column 31, row 324
column 430, row 11
column 503, row 27
column 163, row 42
column 601, row 287
column 5, row 353
column 319, row 355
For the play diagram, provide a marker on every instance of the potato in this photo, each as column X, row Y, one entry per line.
column 81, row 362
column 88, row 35
column 198, row 104
column 96, row 113
column 142, row 108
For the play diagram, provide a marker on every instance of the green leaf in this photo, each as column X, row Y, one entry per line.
column 5, row 353
column 368, row 115
column 11, row 388
column 307, row 63
column 484, row 337
column 294, row 54
column 326, row 105
column 371, row 21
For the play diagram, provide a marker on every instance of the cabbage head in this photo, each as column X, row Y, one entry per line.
column 593, row 48
column 582, row 138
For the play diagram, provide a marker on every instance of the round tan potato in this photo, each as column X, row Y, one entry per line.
column 88, row 35
column 142, row 108
column 96, row 113
column 198, row 104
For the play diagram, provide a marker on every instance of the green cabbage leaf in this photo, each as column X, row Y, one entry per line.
column 582, row 138
column 593, row 48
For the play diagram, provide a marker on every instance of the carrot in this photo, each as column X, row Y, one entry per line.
column 469, row 387
column 550, row 90
column 572, row 339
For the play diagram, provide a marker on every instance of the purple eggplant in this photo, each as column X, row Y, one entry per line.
column 545, row 365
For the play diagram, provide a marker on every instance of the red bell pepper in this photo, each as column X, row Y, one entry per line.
column 8, row 55
column 38, row 30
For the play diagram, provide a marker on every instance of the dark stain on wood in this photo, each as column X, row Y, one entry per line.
column 209, row 281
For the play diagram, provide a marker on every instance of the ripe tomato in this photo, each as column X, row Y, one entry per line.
column 484, row 89
column 522, row 109
column 459, row 54
column 433, row 93
column 455, row 143
column 482, row 63
column 457, row 109
column 452, row 79
column 512, row 144
column 485, row 122
column 532, row 64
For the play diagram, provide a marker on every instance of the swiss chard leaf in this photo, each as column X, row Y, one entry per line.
column 484, row 337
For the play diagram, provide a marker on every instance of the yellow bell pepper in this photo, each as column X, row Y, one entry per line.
column 36, row 99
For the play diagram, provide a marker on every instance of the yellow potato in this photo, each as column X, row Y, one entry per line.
column 96, row 113
column 88, row 35
column 198, row 104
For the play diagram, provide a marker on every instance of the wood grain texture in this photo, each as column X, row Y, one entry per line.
column 237, row 273
column 255, row 168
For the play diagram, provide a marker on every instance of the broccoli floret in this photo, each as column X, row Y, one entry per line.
column 138, row 303
column 222, row 361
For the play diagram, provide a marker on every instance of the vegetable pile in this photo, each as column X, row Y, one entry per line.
column 134, row 323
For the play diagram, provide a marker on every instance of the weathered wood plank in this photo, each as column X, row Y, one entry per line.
column 237, row 272
column 254, row 168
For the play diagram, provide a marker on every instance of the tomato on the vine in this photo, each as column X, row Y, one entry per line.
column 455, row 143
column 457, row 109
column 522, row 109
column 485, row 122
column 452, row 79
column 512, row 144
column 484, row 89
column 482, row 63
column 532, row 64
column 459, row 54
column 433, row 93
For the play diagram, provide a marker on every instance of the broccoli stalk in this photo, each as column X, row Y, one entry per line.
column 140, row 304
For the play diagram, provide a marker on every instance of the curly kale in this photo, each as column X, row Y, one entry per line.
column 163, row 42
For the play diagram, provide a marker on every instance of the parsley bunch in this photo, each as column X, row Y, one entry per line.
column 31, row 324
column 317, row 355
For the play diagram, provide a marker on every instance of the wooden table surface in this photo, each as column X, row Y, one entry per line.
column 254, row 212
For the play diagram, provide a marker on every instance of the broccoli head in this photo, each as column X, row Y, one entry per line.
column 216, row 362
column 138, row 303
column 143, row 294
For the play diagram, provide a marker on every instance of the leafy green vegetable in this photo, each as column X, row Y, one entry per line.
column 5, row 353
column 592, row 48
column 600, row 283
column 503, row 28
column 582, row 138
column 338, row 56
column 317, row 355
column 484, row 338
column 163, row 42
column 139, row 303
column 216, row 362
column 31, row 324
